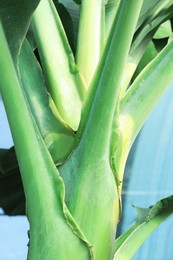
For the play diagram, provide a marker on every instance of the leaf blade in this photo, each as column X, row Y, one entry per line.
column 13, row 14
column 149, row 220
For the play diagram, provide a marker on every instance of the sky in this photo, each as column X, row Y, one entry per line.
column 5, row 135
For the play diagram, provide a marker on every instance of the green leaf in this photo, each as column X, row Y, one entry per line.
column 58, row 137
column 74, row 11
column 152, row 15
column 15, row 19
column 161, row 207
column 12, row 198
column 31, row 39
column 44, row 188
column 77, row 1
column 13, row 15
column 139, row 101
column 58, row 63
column 149, row 54
column 87, row 172
column 164, row 31
column 92, row 28
column 148, row 219
column 150, row 19
column 160, row 43
column 8, row 155
column 2, row 153
column 110, row 13
column 67, row 23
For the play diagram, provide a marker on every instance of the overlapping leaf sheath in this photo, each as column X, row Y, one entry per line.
column 59, row 138
column 63, row 79
column 91, row 189
column 74, row 214
column 51, row 224
column 91, row 37
column 139, row 101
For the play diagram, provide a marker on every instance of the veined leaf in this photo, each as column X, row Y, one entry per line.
column 147, row 221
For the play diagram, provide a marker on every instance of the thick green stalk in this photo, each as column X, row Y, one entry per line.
column 91, row 37
column 63, row 79
column 44, row 189
column 139, row 101
column 87, row 173
column 108, row 78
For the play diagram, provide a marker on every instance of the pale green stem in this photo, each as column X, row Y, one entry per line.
column 106, row 83
column 63, row 79
column 87, row 173
column 44, row 189
column 91, row 37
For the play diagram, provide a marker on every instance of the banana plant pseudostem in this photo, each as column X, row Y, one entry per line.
column 74, row 114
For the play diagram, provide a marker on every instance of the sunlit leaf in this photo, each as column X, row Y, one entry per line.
column 147, row 221
column 164, row 31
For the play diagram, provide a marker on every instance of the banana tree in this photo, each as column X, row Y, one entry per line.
column 75, row 109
